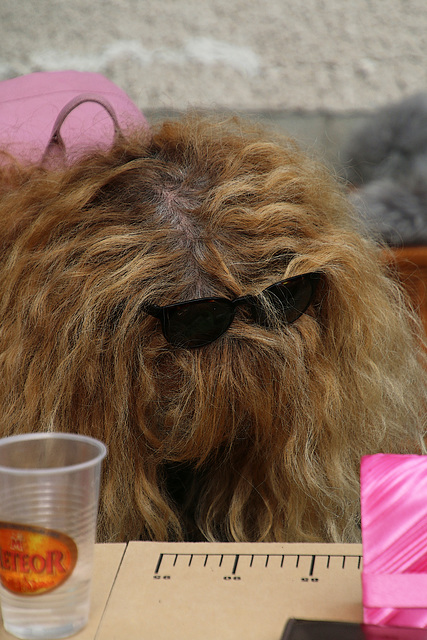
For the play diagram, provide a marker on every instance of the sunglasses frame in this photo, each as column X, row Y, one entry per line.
column 162, row 312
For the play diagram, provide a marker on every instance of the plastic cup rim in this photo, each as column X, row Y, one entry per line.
column 57, row 435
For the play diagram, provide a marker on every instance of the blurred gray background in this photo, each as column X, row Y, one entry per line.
column 312, row 67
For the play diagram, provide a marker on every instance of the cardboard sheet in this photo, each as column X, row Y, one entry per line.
column 231, row 591
column 107, row 559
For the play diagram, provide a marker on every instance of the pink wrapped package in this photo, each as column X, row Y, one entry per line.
column 394, row 535
column 87, row 108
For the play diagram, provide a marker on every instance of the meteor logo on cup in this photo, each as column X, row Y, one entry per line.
column 34, row 560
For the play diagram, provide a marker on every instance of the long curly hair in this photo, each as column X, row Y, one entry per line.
column 256, row 436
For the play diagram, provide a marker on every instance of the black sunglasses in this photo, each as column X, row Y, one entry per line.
column 196, row 323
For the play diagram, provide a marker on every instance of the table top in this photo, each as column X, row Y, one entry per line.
column 181, row 591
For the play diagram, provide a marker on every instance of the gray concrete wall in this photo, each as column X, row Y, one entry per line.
column 310, row 67
column 286, row 55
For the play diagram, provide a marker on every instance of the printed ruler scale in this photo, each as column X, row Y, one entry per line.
column 230, row 591
column 305, row 563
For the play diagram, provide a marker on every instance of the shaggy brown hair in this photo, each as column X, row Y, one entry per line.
column 255, row 437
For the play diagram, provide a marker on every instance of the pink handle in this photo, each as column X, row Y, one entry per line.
column 56, row 141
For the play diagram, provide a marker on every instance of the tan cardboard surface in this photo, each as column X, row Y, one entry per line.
column 107, row 558
column 231, row 591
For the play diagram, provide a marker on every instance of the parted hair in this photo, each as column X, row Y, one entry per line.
column 257, row 436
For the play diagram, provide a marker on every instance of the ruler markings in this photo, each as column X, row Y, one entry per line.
column 263, row 555
column 313, row 558
column 237, row 557
column 159, row 562
column 236, row 560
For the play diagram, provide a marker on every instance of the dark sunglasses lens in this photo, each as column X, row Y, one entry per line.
column 290, row 298
column 196, row 324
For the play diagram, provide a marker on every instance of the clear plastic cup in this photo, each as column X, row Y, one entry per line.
column 49, row 489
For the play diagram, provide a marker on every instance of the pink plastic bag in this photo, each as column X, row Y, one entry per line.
column 30, row 105
column 394, row 534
